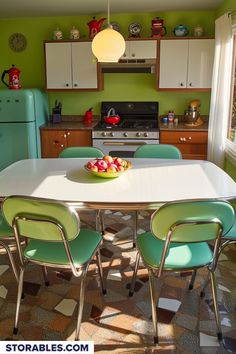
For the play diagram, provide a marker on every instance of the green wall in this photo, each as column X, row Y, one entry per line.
column 228, row 5
column 117, row 86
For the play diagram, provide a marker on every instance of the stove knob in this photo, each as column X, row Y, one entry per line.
column 104, row 134
column 146, row 135
column 125, row 134
column 112, row 134
column 138, row 134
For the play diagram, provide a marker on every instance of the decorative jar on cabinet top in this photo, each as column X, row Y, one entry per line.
column 74, row 33
column 57, row 34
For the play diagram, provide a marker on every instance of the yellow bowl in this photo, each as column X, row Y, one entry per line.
column 109, row 174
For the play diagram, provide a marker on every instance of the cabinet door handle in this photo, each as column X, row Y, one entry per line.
column 65, row 135
column 133, row 55
column 181, row 84
column 189, row 138
column 190, row 84
column 182, row 139
column 62, row 145
column 124, row 55
column 75, row 85
column 68, row 133
column 67, row 85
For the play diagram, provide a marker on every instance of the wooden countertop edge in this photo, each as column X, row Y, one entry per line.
column 72, row 122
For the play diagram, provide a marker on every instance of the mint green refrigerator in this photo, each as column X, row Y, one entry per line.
column 21, row 114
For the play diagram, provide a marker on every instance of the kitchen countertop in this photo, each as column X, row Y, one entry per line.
column 181, row 124
column 72, row 123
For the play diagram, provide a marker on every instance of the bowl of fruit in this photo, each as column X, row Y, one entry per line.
column 108, row 166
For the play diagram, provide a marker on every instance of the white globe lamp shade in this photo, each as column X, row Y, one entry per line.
column 108, row 46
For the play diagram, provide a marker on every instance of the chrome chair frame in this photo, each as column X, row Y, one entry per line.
column 80, row 272
column 4, row 243
column 159, row 271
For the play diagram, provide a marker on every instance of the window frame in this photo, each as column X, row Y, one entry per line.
column 231, row 145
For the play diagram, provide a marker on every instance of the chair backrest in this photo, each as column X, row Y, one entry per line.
column 198, row 220
column 81, row 151
column 38, row 218
column 161, row 151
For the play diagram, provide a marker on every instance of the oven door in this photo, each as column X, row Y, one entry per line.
column 122, row 148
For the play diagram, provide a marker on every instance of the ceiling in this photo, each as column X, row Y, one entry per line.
column 33, row 8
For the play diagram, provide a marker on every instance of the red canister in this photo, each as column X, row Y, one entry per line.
column 88, row 116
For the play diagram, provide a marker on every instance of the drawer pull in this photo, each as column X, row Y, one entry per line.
column 189, row 138
column 69, row 134
column 64, row 135
column 182, row 139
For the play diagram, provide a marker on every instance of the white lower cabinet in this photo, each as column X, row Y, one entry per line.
column 186, row 64
column 71, row 65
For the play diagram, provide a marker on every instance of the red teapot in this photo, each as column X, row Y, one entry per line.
column 158, row 28
column 95, row 26
column 14, row 76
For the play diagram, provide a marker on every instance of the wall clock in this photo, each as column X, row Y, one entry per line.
column 17, row 42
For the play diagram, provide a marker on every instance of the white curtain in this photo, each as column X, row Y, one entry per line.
column 221, row 90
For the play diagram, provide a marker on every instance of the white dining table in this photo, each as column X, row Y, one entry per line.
column 149, row 183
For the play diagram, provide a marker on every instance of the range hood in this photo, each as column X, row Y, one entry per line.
column 130, row 66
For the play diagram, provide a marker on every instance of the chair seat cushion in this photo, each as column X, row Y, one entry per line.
column 179, row 255
column 5, row 229
column 82, row 249
column 231, row 234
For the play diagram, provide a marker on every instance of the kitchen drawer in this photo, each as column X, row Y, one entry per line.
column 183, row 137
column 193, row 145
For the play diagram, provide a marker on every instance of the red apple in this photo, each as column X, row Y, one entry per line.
column 101, row 164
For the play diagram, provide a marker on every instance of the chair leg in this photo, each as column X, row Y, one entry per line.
column 19, row 296
column 102, row 222
column 154, row 311
column 81, row 302
column 135, row 228
column 104, row 291
column 99, row 222
column 191, row 284
column 45, row 276
column 11, row 259
column 131, row 290
column 203, row 291
column 215, row 301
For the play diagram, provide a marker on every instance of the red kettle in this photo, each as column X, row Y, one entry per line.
column 14, row 76
column 95, row 26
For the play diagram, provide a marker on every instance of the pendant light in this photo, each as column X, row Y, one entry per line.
column 108, row 45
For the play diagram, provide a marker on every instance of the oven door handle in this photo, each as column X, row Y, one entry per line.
column 128, row 143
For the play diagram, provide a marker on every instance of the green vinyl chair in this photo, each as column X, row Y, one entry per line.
column 81, row 151
column 178, row 241
column 160, row 151
column 6, row 239
column 89, row 152
column 55, row 240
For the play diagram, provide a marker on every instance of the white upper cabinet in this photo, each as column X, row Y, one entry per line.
column 186, row 64
column 70, row 65
column 139, row 49
column 58, row 65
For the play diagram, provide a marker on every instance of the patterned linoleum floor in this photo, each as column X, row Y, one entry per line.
column 115, row 322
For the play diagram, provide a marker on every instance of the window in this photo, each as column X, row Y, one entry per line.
column 232, row 121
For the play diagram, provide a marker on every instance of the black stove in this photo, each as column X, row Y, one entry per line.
column 140, row 118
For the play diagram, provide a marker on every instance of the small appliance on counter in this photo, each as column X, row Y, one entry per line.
column 192, row 114
column 56, row 112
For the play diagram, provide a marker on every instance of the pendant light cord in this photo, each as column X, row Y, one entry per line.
column 108, row 12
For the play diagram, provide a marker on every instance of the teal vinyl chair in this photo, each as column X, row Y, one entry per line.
column 178, row 241
column 55, row 240
column 81, row 151
column 6, row 238
column 89, row 152
column 160, row 151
